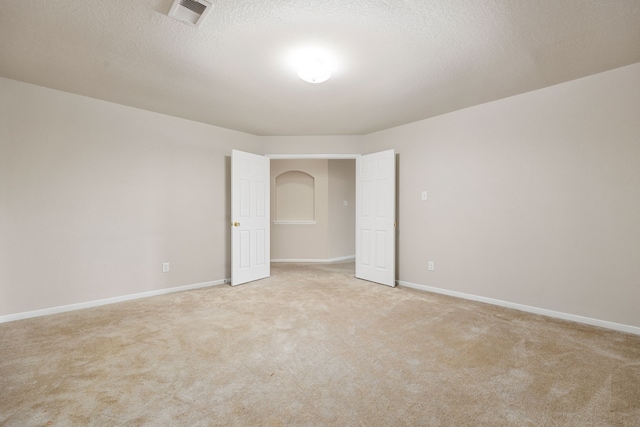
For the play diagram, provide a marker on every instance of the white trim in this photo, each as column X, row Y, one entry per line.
column 113, row 300
column 327, row 260
column 312, row 156
column 294, row 222
column 527, row 308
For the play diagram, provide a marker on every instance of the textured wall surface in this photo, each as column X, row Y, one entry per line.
column 395, row 61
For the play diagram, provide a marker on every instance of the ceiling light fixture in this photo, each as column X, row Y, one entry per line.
column 313, row 63
column 313, row 70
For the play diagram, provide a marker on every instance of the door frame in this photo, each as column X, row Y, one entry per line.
column 288, row 156
column 312, row 156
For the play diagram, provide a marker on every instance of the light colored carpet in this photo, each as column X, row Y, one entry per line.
column 313, row 346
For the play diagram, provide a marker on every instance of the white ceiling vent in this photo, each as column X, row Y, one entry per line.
column 192, row 12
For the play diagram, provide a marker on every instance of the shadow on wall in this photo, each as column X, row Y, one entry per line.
column 397, row 216
column 227, row 203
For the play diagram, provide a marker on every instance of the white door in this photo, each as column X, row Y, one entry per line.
column 375, row 217
column 250, row 235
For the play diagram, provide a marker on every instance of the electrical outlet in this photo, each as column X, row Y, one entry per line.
column 165, row 267
column 431, row 266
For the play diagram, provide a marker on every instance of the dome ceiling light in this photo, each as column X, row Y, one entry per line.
column 313, row 70
column 314, row 64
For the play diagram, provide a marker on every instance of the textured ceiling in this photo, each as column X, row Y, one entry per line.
column 397, row 61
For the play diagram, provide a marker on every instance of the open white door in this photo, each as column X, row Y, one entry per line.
column 375, row 217
column 250, row 235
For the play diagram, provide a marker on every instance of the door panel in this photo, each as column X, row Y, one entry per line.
column 250, row 235
column 375, row 217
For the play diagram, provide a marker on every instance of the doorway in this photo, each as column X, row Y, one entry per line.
column 312, row 210
column 375, row 206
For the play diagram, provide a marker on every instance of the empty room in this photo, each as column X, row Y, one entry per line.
column 320, row 213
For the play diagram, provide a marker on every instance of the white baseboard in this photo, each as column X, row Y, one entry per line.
column 113, row 300
column 327, row 260
column 536, row 310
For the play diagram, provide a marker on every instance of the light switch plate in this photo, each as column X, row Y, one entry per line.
column 424, row 195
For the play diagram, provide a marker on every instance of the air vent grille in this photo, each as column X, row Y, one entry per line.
column 193, row 6
column 191, row 12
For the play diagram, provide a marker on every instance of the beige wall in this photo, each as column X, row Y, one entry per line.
column 333, row 235
column 533, row 199
column 94, row 196
column 302, row 241
column 322, row 144
column 342, row 219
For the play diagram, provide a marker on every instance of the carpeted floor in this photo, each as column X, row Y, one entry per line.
column 312, row 346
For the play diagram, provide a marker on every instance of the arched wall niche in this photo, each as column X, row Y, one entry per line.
column 295, row 198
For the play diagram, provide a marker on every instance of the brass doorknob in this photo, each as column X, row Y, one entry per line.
column 236, row 224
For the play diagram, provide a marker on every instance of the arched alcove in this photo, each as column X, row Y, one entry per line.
column 295, row 198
